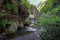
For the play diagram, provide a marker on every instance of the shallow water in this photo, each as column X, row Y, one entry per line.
column 31, row 36
column 27, row 31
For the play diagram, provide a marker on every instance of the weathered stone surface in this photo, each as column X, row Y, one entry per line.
column 1, row 1
column 14, row 1
column 32, row 25
column 31, row 16
column 13, row 27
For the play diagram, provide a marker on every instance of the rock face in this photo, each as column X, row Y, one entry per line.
column 1, row 1
column 14, row 11
column 13, row 27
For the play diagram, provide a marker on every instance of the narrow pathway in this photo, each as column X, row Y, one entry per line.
column 32, row 36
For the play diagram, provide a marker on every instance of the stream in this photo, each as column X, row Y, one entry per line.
column 29, row 33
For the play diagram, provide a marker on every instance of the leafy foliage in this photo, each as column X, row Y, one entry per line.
column 9, row 6
column 49, row 5
column 50, row 21
column 5, row 24
column 24, row 2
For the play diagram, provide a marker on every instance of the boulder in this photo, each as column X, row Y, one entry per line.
column 31, row 16
column 32, row 25
column 13, row 27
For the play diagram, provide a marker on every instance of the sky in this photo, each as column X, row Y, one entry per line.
column 35, row 2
